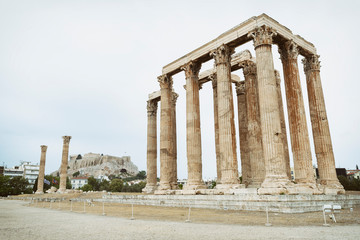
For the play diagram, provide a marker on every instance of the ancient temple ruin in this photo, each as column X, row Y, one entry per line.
column 264, row 149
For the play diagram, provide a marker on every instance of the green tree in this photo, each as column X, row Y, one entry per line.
column 87, row 187
column 141, row 175
column 116, row 185
column 5, row 188
column 68, row 183
column 104, row 185
column 75, row 174
column 13, row 186
column 94, row 183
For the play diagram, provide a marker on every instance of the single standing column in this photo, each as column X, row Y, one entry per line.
column 216, row 127
column 151, row 156
column 40, row 186
column 193, row 131
column 256, row 155
column 299, row 136
column 64, row 164
column 320, row 126
column 173, row 182
column 227, row 140
column 243, row 133
column 283, row 125
column 166, row 133
column 276, row 180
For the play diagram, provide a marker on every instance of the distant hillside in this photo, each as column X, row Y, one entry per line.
column 94, row 164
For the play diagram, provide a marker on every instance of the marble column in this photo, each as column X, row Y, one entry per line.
column 256, row 155
column 40, row 186
column 276, row 180
column 193, row 131
column 216, row 128
column 283, row 125
column 173, row 181
column 299, row 136
column 166, row 133
column 64, row 164
column 227, row 140
column 320, row 126
column 151, row 156
column 243, row 133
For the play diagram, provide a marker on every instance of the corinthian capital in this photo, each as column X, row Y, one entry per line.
column 174, row 97
column 262, row 35
column 289, row 50
column 191, row 69
column 240, row 88
column 311, row 63
column 249, row 67
column 222, row 55
column 66, row 139
column 43, row 148
column 151, row 107
column 165, row 81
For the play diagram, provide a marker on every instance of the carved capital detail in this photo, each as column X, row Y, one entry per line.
column 262, row 35
column 213, row 79
column 240, row 88
column 222, row 55
column 174, row 97
column 165, row 81
column 43, row 148
column 66, row 139
column 277, row 77
column 288, row 51
column 152, row 107
column 249, row 67
column 311, row 63
column 191, row 69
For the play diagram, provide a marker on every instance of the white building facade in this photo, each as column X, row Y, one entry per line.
column 78, row 182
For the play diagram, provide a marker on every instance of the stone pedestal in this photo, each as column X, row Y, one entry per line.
column 283, row 125
column 40, row 186
column 243, row 133
column 193, row 131
column 64, row 164
column 256, row 154
column 167, row 150
column 320, row 127
column 227, row 141
column 151, row 156
column 276, row 180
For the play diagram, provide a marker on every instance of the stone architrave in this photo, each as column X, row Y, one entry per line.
column 243, row 133
column 40, row 186
column 216, row 128
column 227, row 140
column 276, row 180
column 173, row 181
column 256, row 155
column 193, row 130
column 166, row 133
column 283, row 125
column 151, row 156
column 64, row 164
column 320, row 127
column 299, row 136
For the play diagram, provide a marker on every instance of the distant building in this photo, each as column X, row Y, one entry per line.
column 14, row 172
column 351, row 174
column 26, row 170
column 78, row 182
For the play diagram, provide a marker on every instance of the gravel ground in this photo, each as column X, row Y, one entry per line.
column 18, row 221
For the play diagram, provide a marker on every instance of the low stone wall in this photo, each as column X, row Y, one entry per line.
column 249, row 202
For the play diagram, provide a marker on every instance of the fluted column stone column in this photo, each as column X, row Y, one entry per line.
column 40, row 186
column 299, row 136
column 276, row 180
column 243, row 133
column 216, row 128
column 283, row 125
column 227, row 140
column 64, row 164
column 173, row 181
column 167, row 150
column 193, row 131
column 151, row 156
column 256, row 155
column 320, row 127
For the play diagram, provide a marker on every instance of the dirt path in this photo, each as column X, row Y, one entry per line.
column 18, row 221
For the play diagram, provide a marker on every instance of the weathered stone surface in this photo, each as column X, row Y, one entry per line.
column 40, row 186
column 64, row 164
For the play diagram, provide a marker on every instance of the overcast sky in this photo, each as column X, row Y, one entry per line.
column 85, row 69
